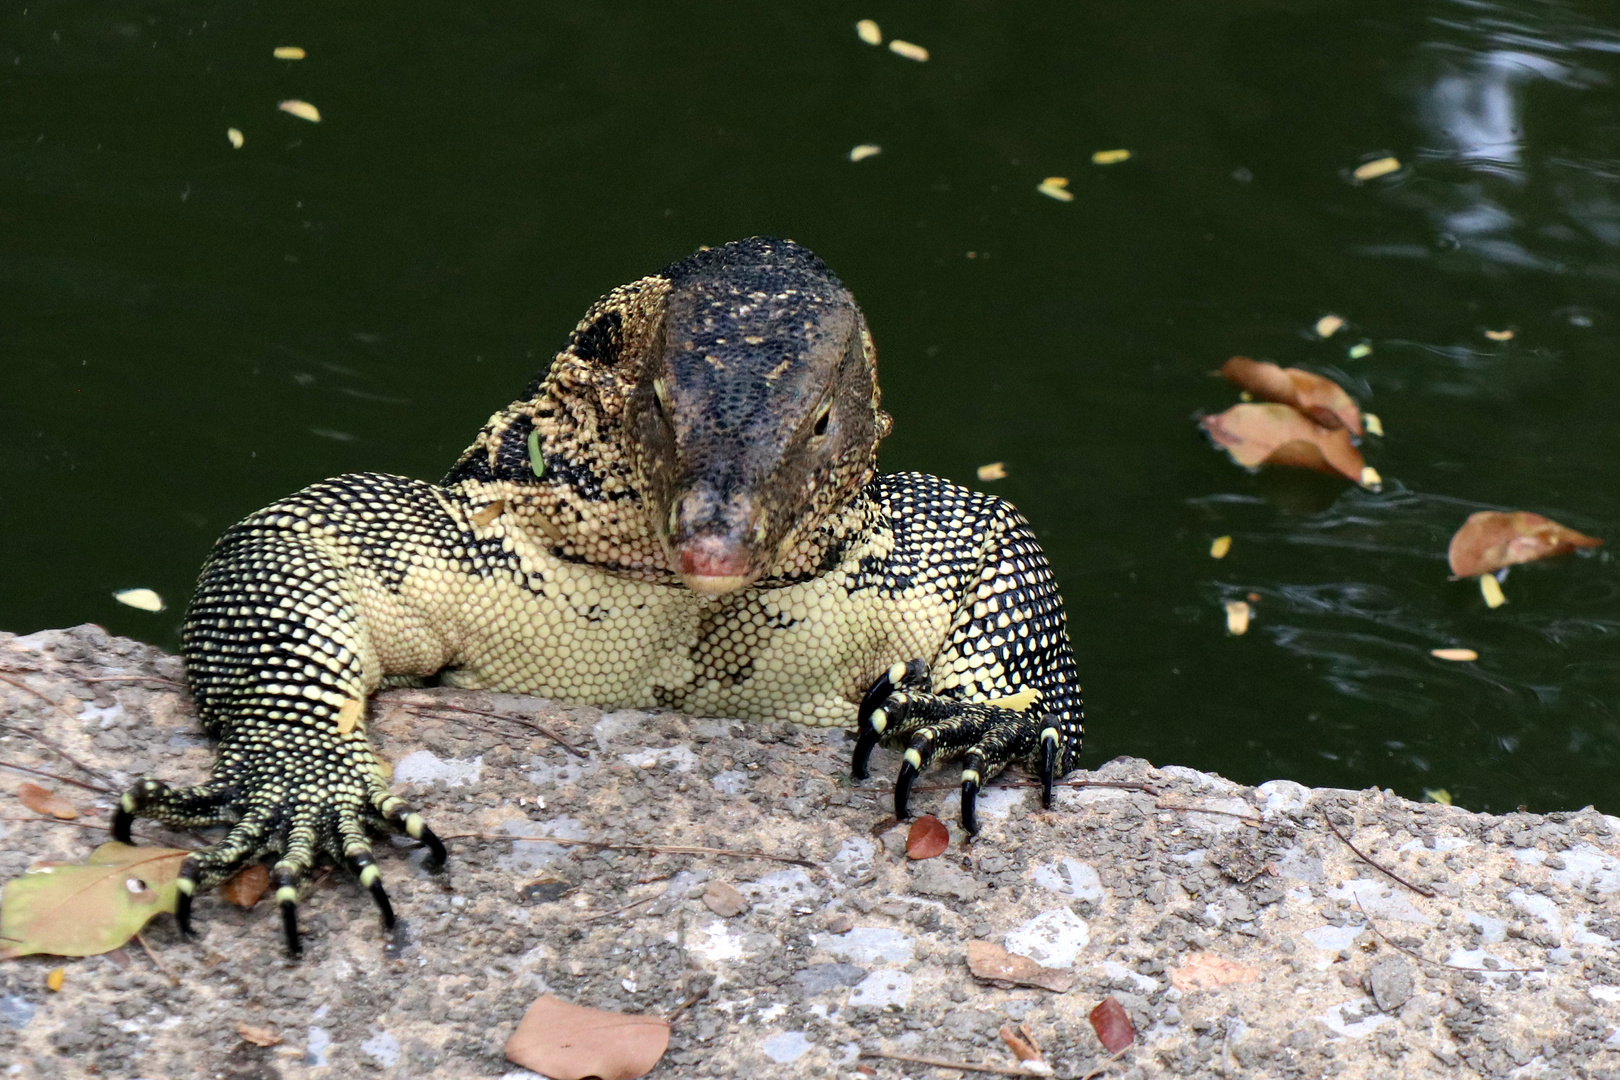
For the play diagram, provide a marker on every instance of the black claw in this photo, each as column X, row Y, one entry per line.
column 1049, row 756
column 122, row 820
column 970, row 806
column 867, row 736
column 902, row 789
column 437, row 856
column 289, row 928
column 182, row 914
column 383, row 905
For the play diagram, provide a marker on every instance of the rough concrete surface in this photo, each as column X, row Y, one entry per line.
column 1152, row 895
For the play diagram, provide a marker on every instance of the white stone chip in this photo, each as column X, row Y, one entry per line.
column 883, row 987
column 426, row 767
column 1070, row 877
column 1052, row 938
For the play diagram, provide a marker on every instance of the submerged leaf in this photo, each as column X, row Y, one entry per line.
column 68, row 909
column 1492, row 539
column 1280, row 435
column 1322, row 399
column 571, row 1042
column 1112, row 1026
column 928, row 837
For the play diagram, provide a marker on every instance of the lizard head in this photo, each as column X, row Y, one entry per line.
column 755, row 411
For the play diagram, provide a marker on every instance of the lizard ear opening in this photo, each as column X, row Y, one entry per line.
column 600, row 341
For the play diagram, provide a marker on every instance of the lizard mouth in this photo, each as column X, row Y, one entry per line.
column 714, row 565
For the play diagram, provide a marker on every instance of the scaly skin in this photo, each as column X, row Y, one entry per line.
column 683, row 513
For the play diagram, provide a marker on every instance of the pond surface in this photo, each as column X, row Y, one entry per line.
column 190, row 330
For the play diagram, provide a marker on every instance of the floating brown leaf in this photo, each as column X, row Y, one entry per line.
column 1492, row 539
column 571, row 1042
column 1322, row 399
column 246, row 887
column 80, row 910
column 1112, row 1026
column 1281, row 435
column 994, row 964
column 258, row 1036
column 1206, row 970
column 44, row 801
column 928, row 837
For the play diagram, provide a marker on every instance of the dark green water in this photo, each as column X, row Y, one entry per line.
column 188, row 331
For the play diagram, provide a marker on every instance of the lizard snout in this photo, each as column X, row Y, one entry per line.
column 713, row 541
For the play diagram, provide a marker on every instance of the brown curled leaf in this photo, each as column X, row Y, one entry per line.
column 928, row 837
column 246, row 887
column 1020, row 1042
column 571, row 1042
column 258, row 1036
column 1270, row 434
column 1493, row 539
column 44, row 801
column 1322, row 399
column 990, row 962
column 1112, row 1026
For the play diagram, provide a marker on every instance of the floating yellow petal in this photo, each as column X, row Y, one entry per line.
column 349, row 716
column 1238, row 613
column 1454, row 654
column 1219, row 547
column 864, row 151
column 1372, row 170
column 908, row 50
column 236, row 137
column 1437, row 795
column 301, row 109
column 868, row 31
column 1499, row 335
column 1328, row 325
column 996, row 470
column 1110, row 157
column 1056, row 187
column 289, row 52
column 145, row 599
column 1491, row 590
column 1360, row 350
column 53, row 981
column 1373, row 425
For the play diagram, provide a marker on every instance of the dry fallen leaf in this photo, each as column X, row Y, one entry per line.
column 1372, row 170
column 1219, row 547
column 1110, row 157
column 258, row 1036
column 1491, row 590
column 996, row 470
column 349, row 715
column 144, row 599
column 301, row 109
column 864, row 151
column 1328, row 325
column 571, row 1042
column 1280, row 435
column 908, row 50
column 54, row 981
column 1238, row 614
column 245, row 887
column 1322, row 399
column 1056, row 187
column 236, row 138
column 489, row 513
column 1112, row 1026
column 289, row 52
column 1206, row 970
column 1020, row 1042
column 928, row 837
column 1459, row 655
column 868, row 31
column 990, row 962
column 43, row 801
column 1492, row 539
column 724, row 900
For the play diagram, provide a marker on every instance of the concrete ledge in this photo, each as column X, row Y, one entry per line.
column 1242, row 936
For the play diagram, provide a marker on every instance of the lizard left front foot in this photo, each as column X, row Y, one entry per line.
column 901, row 710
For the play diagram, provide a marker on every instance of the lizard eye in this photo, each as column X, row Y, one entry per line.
column 822, row 419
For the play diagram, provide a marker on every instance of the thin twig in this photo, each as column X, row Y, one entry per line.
column 652, row 849
column 148, row 837
column 691, row 999
column 29, row 689
column 1437, row 963
column 173, row 980
column 129, row 678
column 1107, row 1061
column 1121, row 785
column 53, row 776
column 531, row 724
column 53, row 748
column 1249, row 818
column 1392, row 875
column 939, row 1063
column 635, row 904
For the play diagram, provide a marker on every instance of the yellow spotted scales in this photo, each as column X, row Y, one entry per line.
column 683, row 512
